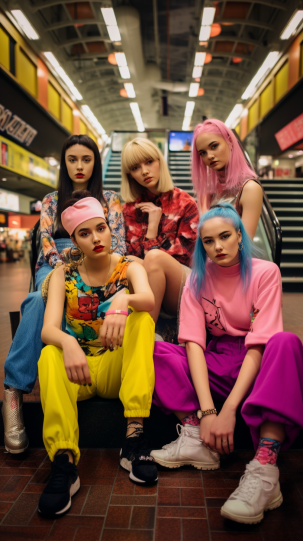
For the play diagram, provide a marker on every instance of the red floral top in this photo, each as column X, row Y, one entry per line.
column 177, row 230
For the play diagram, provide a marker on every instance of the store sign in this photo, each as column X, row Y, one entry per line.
column 15, row 127
column 291, row 133
column 22, row 162
column 9, row 201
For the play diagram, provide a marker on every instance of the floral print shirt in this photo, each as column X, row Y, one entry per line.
column 49, row 252
column 177, row 230
column 85, row 306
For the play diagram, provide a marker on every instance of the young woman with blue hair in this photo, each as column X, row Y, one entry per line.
column 249, row 361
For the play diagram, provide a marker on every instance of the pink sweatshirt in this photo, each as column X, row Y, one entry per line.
column 223, row 307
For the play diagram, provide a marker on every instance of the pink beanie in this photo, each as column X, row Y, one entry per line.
column 83, row 210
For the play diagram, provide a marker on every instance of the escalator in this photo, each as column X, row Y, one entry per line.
column 286, row 198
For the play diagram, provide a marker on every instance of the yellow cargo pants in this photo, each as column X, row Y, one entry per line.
column 127, row 373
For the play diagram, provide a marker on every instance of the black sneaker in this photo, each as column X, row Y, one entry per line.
column 64, row 482
column 135, row 457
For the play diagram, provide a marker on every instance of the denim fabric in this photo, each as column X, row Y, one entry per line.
column 20, row 367
column 45, row 268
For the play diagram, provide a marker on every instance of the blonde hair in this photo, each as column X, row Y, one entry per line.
column 137, row 151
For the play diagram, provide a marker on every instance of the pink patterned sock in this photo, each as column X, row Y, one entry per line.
column 191, row 420
column 267, row 452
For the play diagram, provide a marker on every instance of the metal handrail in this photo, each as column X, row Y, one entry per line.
column 273, row 229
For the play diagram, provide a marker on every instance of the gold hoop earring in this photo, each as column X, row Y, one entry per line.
column 117, row 243
column 241, row 246
column 76, row 256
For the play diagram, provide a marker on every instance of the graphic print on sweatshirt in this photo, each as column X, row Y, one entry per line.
column 213, row 315
column 253, row 314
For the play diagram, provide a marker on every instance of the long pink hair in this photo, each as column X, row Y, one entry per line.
column 205, row 180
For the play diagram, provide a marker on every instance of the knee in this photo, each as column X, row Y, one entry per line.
column 286, row 339
column 33, row 301
column 154, row 259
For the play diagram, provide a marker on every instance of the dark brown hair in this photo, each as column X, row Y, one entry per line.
column 65, row 186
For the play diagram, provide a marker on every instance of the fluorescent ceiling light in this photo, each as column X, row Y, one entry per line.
column 24, row 24
column 200, row 59
column 197, row 72
column 292, row 25
column 193, row 90
column 237, row 110
column 121, row 59
column 114, row 34
column 137, row 115
column 109, row 16
column 208, row 16
column 60, row 71
column 267, row 65
column 124, row 72
column 129, row 87
column 189, row 109
column 186, row 123
column 204, row 33
column 93, row 120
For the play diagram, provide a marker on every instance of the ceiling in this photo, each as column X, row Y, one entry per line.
column 169, row 37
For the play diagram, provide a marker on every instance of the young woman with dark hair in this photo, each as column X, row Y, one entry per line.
column 80, row 167
column 248, row 363
column 220, row 172
column 107, row 350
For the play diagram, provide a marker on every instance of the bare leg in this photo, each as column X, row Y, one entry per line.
column 274, row 431
column 165, row 276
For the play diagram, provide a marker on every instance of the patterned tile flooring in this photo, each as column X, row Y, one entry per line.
column 184, row 506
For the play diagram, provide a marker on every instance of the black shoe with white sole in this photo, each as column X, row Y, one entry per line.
column 135, row 457
column 64, row 482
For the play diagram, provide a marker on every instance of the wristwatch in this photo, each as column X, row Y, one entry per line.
column 201, row 413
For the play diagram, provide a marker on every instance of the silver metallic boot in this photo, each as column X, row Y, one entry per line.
column 15, row 437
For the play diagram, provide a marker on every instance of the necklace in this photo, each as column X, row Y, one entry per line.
column 107, row 276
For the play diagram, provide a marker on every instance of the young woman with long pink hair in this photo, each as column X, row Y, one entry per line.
column 220, row 171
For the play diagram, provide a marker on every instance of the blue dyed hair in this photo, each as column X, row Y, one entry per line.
column 226, row 212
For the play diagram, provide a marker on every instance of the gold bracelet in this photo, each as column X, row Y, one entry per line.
column 201, row 413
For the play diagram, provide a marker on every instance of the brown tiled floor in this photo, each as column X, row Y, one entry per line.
column 184, row 506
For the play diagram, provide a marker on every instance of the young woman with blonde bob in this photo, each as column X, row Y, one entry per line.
column 160, row 222
column 220, row 172
column 107, row 350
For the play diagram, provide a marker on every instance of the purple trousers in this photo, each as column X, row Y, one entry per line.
column 276, row 395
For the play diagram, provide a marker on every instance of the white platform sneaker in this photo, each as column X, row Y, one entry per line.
column 259, row 491
column 187, row 450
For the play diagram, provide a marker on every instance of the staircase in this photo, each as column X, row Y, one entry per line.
column 112, row 177
column 286, row 198
column 179, row 167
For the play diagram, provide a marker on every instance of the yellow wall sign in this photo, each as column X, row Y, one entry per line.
column 20, row 161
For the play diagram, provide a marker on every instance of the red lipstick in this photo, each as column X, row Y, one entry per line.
column 80, row 175
column 99, row 248
column 219, row 256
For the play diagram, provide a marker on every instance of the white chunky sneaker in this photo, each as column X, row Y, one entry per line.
column 258, row 491
column 187, row 450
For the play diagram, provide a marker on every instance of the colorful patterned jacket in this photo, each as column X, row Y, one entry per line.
column 177, row 230
column 49, row 252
